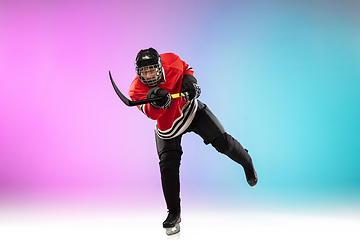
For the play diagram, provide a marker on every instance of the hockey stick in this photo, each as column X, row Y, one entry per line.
column 130, row 103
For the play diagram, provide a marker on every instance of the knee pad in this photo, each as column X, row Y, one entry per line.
column 229, row 146
column 170, row 160
column 221, row 143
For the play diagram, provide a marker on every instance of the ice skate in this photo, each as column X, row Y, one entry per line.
column 172, row 223
column 251, row 175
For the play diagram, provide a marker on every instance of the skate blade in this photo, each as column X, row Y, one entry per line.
column 173, row 230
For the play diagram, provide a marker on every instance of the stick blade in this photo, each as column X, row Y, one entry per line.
column 121, row 96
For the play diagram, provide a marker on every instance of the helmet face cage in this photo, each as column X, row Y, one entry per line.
column 150, row 75
column 148, row 67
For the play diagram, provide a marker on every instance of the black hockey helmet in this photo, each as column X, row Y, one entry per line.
column 148, row 67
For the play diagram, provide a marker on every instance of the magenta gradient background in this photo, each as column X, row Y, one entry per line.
column 63, row 131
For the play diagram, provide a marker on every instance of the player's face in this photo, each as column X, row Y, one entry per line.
column 149, row 72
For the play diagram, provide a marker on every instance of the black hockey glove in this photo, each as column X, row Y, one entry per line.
column 189, row 84
column 165, row 103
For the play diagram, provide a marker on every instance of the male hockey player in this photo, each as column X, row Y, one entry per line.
column 163, row 75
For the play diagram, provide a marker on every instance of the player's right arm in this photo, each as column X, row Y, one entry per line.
column 138, row 91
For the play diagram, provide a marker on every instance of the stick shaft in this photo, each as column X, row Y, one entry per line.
column 130, row 103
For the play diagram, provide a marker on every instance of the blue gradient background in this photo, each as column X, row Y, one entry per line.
column 282, row 76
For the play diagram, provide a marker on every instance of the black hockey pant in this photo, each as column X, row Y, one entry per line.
column 206, row 125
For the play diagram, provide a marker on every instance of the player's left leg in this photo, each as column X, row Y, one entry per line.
column 211, row 130
column 229, row 146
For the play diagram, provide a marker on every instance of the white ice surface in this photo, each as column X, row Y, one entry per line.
column 44, row 223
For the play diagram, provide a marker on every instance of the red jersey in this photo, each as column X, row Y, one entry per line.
column 175, row 120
